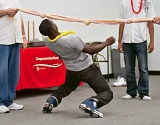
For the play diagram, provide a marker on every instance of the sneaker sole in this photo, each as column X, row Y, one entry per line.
column 146, row 99
column 4, row 112
column 119, row 85
column 16, row 109
column 47, row 108
column 84, row 109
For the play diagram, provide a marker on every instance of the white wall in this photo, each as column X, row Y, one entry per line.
column 86, row 9
column 154, row 58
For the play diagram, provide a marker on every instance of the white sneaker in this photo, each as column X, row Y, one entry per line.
column 4, row 109
column 119, row 82
column 146, row 98
column 127, row 97
column 125, row 83
column 15, row 106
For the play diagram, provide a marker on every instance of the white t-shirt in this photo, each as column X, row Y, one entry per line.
column 10, row 29
column 135, row 32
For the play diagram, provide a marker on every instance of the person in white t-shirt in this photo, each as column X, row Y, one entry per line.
column 133, row 43
column 11, row 33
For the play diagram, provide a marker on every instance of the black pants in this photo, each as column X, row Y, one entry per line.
column 91, row 75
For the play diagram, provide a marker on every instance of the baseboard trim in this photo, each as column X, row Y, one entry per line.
column 106, row 76
column 154, row 72
column 149, row 72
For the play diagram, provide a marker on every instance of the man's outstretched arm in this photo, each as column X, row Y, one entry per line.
column 97, row 48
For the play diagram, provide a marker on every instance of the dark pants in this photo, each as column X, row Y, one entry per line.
column 131, row 51
column 91, row 75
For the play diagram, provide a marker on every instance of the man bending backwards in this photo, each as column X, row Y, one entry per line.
column 80, row 67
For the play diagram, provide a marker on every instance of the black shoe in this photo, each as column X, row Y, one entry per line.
column 50, row 103
column 47, row 108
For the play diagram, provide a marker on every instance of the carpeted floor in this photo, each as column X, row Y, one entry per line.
column 117, row 112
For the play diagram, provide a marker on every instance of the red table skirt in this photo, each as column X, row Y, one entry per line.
column 40, row 68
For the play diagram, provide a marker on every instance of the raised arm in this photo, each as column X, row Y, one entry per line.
column 97, row 48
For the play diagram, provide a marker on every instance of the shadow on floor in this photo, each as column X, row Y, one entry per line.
column 33, row 93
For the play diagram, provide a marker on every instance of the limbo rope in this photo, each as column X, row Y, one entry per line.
column 85, row 21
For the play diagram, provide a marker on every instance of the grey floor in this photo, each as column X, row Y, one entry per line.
column 117, row 112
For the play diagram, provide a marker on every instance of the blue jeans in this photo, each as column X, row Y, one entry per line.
column 131, row 51
column 91, row 75
column 9, row 72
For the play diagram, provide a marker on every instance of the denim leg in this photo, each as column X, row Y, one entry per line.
column 143, row 83
column 129, row 58
column 98, row 83
column 13, row 71
column 4, row 53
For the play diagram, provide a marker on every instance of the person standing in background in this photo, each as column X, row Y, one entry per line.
column 121, row 79
column 133, row 42
column 11, row 35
